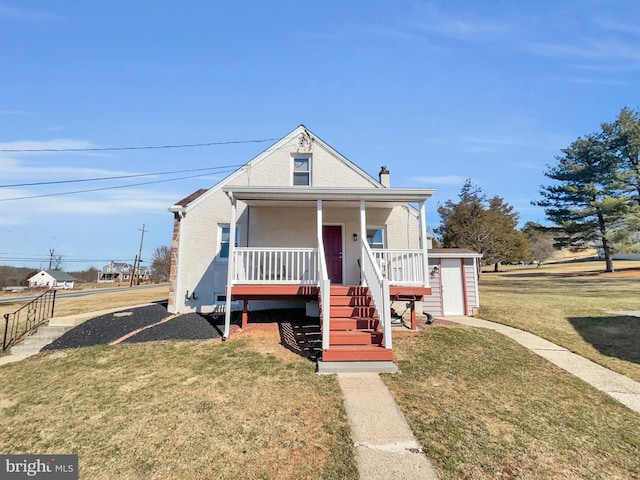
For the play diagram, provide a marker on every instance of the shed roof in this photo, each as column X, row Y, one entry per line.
column 453, row 253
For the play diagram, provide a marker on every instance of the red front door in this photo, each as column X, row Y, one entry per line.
column 332, row 238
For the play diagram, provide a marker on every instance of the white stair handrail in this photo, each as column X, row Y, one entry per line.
column 379, row 289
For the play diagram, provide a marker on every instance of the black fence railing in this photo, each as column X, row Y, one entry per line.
column 27, row 318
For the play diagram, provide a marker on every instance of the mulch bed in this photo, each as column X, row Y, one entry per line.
column 190, row 326
column 108, row 328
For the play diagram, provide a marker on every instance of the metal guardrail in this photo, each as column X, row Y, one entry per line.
column 28, row 318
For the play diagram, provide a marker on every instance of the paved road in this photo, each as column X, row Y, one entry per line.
column 80, row 293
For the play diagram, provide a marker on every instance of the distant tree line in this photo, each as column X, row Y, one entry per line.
column 19, row 276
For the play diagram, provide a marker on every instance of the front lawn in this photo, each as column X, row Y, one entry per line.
column 575, row 305
column 484, row 407
column 184, row 410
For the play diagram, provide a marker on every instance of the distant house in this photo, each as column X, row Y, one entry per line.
column 52, row 279
column 121, row 272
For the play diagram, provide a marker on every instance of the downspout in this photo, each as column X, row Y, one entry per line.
column 423, row 239
column 476, row 281
column 230, row 267
column 176, row 293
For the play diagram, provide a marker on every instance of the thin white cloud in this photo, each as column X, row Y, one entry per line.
column 608, row 50
column 106, row 203
column 22, row 14
column 13, row 112
column 461, row 26
column 440, row 180
column 599, row 81
column 18, row 169
column 498, row 142
column 55, row 144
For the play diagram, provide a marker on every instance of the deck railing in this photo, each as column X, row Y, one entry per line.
column 401, row 267
column 275, row 265
column 28, row 318
column 379, row 289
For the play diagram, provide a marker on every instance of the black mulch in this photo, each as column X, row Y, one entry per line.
column 298, row 333
column 107, row 328
column 190, row 326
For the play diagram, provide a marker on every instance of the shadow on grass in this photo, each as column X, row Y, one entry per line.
column 616, row 336
column 298, row 333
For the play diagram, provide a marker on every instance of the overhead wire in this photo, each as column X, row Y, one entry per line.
column 222, row 169
column 119, row 177
column 106, row 188
column 145, row 147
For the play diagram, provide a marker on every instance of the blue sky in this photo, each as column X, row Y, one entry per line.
column 437, row 91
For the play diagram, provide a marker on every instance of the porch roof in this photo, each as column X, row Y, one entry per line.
column 275, row 195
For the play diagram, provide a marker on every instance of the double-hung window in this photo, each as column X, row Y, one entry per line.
column 302, row 170
column 375, row 237
column 224, row 234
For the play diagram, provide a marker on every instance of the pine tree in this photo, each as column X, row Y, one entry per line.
column 589, row 201
column 487, row 226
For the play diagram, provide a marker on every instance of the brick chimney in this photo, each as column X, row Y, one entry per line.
column 384, row 177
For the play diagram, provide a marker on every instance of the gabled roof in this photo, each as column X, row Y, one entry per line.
column 56, row 275
column 121, row 267
column 194, row 199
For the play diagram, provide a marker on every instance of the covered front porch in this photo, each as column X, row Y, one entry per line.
column 334, row 266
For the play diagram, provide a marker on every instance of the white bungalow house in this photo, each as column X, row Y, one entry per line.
column 52, row 279
column 301, row 224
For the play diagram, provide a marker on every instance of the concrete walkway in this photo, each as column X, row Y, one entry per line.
column 386, row 448
column 622, row 388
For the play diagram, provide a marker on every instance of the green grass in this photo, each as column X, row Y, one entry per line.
column 571, row 305
column 187, row 410
column 484, row 408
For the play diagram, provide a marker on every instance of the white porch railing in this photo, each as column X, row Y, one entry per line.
column 401, row 267
column 275, row 265
column 379, row 289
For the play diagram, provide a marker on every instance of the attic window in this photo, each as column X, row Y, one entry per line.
column 302, row 171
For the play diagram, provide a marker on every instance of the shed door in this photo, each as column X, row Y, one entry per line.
column 452, row 292
column 332, row 238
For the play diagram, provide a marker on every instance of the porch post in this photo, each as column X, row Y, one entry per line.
column 363, row 238
column 324, row 284
column 319, row 220
column 423, row 240
column 230, row 266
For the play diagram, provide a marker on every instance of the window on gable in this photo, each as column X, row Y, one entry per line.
column 375, row 237
column 302, row 171
column 224, row 235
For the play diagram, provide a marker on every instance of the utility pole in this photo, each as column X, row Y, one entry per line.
column 133, row 272
column 140, row 254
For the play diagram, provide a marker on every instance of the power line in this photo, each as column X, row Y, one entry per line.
column 104, row 188
column 146, row 147
column 116, row 177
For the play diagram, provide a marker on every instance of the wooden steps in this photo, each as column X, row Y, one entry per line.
column 355, row 334
column 357, row 353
